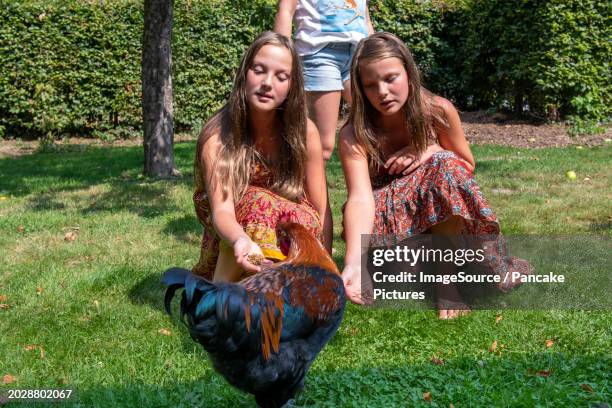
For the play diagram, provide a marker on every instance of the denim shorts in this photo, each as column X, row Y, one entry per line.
column 328, row 68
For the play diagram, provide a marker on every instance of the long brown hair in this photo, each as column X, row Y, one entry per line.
column 420, row 111
column 238, row 154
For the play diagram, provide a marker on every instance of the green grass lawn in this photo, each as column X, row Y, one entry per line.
column 92, row 306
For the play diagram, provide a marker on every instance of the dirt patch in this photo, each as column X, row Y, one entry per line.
column 11, row 148
column 485, row 128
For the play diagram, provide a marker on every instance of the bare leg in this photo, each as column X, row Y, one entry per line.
column 227, row 270
column 346, row 93
column 450, row 304
column 323, row 109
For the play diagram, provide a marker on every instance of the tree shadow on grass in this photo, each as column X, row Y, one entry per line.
column 149, row 291
column 517, row 380
column 185, row 228
column 73, row 167
column 45, row 176
column 146, row 199
column 66, row 169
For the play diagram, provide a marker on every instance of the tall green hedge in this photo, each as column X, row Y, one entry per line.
column 69, row 66
column 209, row 39
column 73, row 66
column 551, row 56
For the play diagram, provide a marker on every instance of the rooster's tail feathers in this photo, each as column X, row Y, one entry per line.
column 174, row 278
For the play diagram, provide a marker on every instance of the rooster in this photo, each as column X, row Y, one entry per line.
column 263, row 333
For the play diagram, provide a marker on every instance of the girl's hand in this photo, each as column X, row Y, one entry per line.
column 358, row 291
column 405, row 161
column 245, row 247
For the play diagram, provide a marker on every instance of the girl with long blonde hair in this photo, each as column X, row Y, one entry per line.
column 408, row 166
column 258, row 162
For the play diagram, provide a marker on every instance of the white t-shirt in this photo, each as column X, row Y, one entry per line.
column 319, row 22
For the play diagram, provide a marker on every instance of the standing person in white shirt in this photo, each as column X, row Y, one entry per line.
column 327, row 33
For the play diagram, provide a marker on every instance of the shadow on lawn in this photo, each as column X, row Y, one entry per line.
column 149, row 291
column 45, row 176
column 521, row 380
column 185, row 228
column 75, row 166
column 146, row 199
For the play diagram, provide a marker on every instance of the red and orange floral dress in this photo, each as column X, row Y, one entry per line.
column 259, row 211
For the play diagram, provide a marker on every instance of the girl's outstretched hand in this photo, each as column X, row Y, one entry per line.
column 246, row 251
column 405, row 160
column 358, row 290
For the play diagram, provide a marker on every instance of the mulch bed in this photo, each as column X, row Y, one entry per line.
column 485, row 128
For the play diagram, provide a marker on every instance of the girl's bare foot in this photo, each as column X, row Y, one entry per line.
column 450, row 304
column 448, row 310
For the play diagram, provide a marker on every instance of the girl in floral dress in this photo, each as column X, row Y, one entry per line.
column 258, row 163
column 408, row 167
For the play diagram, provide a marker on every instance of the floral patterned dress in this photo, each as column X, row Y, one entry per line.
column 258, row 212
column 440, row 188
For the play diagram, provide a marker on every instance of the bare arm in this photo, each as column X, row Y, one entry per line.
column 452, row 137
column 358, row 212
column 284, row 17
column 316, row 184
column 222, row 208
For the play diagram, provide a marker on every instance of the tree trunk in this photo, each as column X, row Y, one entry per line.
column 519, row 102
column 157, row 107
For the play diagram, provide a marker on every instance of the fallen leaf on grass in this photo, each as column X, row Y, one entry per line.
column 39, row 290
column 493, row 346
column 8, row 379
column 587, row 388
column 70, row 236
column 437, row 361
column 2, row 298
column 543, row 373
column 550, row 343
column 498, row 319
column 165, row 332
column 427, row 396
column 41, row 349
column 20, row 229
